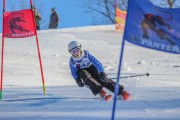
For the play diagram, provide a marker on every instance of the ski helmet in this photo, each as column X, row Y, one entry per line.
column 73, row 44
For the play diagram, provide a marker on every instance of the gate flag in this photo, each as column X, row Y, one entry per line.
column 153, row 27
column 19, row 24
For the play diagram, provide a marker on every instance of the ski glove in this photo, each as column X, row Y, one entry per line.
column 79, row 82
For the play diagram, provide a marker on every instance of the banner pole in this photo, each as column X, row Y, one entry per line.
column 31, row 3
column 2, row 64
column 39, row 54
column 2, row 54
column 41, row 68
column 118, row 79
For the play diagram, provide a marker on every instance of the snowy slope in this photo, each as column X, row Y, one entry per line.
column 154, row 98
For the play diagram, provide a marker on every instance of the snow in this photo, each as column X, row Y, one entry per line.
column 153, row 98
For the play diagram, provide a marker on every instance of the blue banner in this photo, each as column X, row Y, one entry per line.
column 153, row 27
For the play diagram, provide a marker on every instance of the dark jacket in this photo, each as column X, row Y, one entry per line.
column 37, row 18
column 54, row 19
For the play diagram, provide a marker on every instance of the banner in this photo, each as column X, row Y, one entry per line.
column 153, row 27
column 19, row 24
column 120, row 19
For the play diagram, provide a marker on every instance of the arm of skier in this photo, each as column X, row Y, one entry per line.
column 75, row 76
column 73, row 71
column 96, row 63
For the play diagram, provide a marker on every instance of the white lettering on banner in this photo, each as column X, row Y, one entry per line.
column 23, row 34
column 160, row 46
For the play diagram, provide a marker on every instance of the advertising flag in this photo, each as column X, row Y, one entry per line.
column 120, row 19
column 153, row 27
column 19, row 24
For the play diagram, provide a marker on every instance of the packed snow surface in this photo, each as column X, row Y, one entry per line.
column 156, row 97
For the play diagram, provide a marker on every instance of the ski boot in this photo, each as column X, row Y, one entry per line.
column 103, row 95
column 125, row 95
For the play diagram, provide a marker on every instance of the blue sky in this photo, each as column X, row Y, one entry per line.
column 70, row 12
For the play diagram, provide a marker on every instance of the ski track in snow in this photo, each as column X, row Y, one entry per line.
column 153, row 98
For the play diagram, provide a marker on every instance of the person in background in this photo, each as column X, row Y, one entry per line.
column 37, row 18
column 54, row 19
column 89, row 72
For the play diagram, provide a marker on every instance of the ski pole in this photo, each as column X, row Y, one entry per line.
column 146, row 74
column 166, row 74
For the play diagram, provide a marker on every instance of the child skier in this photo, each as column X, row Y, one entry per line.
column 88, row 71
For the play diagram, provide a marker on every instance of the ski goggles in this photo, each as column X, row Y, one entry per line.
column 75, row 51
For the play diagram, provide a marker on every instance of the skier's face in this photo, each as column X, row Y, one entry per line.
column 76, row 52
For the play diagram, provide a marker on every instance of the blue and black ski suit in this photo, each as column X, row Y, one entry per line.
column 87, row 70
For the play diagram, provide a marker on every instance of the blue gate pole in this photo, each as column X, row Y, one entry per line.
column 118, row 79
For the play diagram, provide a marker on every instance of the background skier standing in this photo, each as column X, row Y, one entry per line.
column 37, row 18
column 54, row 19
